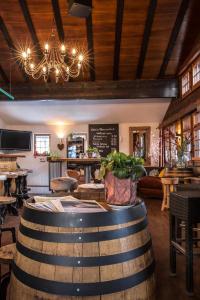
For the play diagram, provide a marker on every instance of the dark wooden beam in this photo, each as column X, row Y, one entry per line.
column 10, row 44
column 146, row 36
column 118, row 33
column 4, row 76
column 29, row 22
column 179, row 108
column 135, row 89
column 177, row 25
column 90, row 43
column 58, row 20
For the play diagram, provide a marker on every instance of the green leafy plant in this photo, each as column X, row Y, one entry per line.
column 122, row 166
column 92, row 150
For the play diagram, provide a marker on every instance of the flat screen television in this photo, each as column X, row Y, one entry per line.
column 15, row 140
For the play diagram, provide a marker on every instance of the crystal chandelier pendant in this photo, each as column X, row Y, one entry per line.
column 58, row 59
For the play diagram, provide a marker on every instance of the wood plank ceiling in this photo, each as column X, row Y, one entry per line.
column 140, row 39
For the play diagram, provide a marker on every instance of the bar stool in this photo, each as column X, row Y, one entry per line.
column 5, row 201
column 25, row 189
column 63, row 184
column 184, row 207
column 19, row 190
column 169, row 185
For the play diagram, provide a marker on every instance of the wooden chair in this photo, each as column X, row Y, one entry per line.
column 5, row 201
column 7, row 253
column 169, row 185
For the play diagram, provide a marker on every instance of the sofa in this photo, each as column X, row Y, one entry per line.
column 150, row 187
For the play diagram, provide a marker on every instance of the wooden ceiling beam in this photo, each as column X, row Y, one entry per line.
column 90, row 43
column 146, row 36
column 118, row 33
column 4, row 76
column 29, row 22
column 58, row 20
column 174, row 34
column 98, row 90
column 10, row 44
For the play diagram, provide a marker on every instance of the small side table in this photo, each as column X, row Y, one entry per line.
column 184, row 206
column 169, row 185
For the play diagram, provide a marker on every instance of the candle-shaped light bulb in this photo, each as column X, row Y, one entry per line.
column 32, row 66
column 80, row 58
column 46, row 47
column 57, row 72
column 28, row 51
column 24, row 55
column 44, row 69
column 67, row 70
column 79, row 66
column 62, row 48
column 73, row 51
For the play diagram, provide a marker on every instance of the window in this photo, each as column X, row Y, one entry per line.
column 197, row 135
column 185, row 83
column 196, row 72
column 41, row 144
column 187, row 137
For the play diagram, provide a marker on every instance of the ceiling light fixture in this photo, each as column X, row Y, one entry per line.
column 61, row 61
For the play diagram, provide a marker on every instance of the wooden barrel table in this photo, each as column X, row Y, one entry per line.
column 91, row 256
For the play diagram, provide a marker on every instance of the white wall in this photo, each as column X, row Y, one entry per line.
column 40, row 166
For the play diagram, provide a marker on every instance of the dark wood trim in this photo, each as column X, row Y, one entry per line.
column 98, row 90
column 181, row 107
column 4, row 76
column 10, row 44
column 58, row 20
column 89, row 27
column 189, row 62
column 175, row 31
column 29, row 22
column 118, row 33
column 146, row 36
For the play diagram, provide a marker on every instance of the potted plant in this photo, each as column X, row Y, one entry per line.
column 92, row 152
column 121, row 173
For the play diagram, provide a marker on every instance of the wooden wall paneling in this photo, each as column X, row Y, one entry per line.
column 135, row 14
column 165, row 16
column 42, row 17
column 104, row 17
column 192, row 38
column 146, row 35
column 175, row 58
column 4, row 76
column 177, row 25
column 8, row 52
column 118, row 32
column 75, row 33
column 29, row 22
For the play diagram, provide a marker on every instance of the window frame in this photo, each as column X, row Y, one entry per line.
column 189, row 83
column 34, row 144
column 196, row 84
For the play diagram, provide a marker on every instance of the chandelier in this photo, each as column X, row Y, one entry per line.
column 58, row 59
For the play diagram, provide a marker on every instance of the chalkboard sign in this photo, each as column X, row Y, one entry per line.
column 105, row 137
